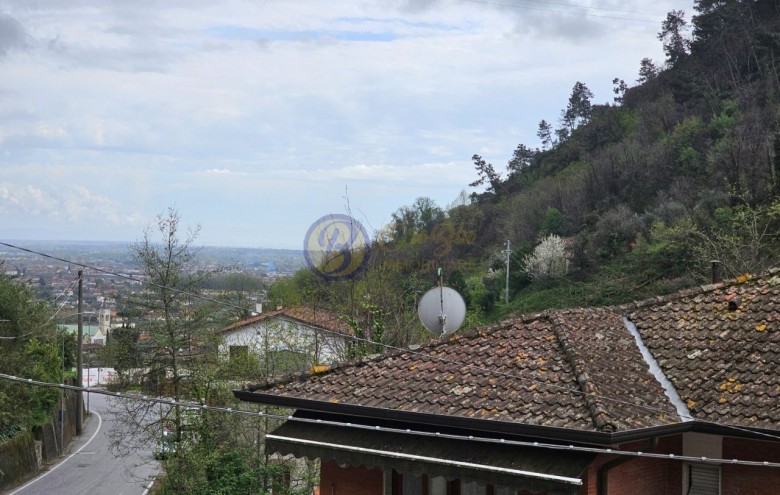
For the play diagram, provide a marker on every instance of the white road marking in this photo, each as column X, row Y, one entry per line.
column 148, row 488
column 100, row 423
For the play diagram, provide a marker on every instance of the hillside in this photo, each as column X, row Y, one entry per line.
column 680, row 170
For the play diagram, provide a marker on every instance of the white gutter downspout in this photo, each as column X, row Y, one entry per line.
column 655, row 369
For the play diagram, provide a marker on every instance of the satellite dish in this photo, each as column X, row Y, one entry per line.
column 442, row 310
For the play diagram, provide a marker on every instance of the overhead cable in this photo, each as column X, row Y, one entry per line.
column 401, row 431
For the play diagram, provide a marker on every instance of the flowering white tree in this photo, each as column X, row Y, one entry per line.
column 548, row 261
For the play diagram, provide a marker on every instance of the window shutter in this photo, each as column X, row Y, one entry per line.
column 703, row 480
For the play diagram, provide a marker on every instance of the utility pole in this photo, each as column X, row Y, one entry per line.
column 506, row 291
column 79, row 364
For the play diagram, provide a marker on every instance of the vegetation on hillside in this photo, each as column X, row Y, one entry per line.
column 30, row 347
column 682, row 168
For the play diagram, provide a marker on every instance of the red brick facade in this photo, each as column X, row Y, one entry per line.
column 634, row 476
column 335, row 480
column 748, row 480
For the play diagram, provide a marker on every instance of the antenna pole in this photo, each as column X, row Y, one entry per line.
column 506, row 291
column 79, row 357
column 442, row 316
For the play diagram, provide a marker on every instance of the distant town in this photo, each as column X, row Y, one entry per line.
column 110, row 273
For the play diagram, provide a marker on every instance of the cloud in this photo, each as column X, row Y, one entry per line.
column 12, row 34
column 230, row 108
column 73, row 204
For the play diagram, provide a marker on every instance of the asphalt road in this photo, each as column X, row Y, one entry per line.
column 89, row 468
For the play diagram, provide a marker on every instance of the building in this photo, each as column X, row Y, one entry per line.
column 294, row 338
column 675, row 395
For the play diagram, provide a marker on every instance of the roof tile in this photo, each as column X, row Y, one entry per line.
column 725, row 358
column 555, row 369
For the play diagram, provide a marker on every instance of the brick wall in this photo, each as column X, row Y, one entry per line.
column 639, row 476
column 646, row 477
column 335, row 480
column 748, row 480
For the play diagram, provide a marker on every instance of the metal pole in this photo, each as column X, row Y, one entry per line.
column 79, row 364
column 62, row 398
column 506, row 291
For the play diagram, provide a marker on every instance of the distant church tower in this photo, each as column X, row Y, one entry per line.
column 104, row 321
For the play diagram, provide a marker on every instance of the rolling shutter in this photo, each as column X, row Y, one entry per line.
column 703, row 479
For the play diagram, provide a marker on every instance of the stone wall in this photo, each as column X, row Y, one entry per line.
column 23, row 455
column 17, row 459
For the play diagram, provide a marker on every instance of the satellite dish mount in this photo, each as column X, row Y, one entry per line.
column 442, row 310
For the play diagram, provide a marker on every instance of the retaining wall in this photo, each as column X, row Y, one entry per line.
column 23, row 455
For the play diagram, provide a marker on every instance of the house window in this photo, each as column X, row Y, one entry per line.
column 703, row 479
column 239, row 351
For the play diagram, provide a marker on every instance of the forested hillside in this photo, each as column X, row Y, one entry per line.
column 680, row 170
column 622, row 201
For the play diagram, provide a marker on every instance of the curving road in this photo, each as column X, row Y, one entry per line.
column 89, row 468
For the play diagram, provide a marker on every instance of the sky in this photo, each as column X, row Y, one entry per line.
column 255, row 118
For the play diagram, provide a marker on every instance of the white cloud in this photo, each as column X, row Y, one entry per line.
column 264, row 106
column 73, row 204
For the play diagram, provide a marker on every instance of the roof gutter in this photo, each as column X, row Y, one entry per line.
column 595, row 438
column 497, row 428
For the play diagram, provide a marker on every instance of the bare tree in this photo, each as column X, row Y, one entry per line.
column 173, row 342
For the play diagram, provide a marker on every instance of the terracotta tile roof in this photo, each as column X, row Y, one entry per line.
column 315, row 317
column 720, row 347
column 548, row 370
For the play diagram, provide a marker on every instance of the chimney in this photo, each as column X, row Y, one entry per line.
column 715, row 271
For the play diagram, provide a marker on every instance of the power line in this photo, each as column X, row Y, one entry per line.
column 67, row 292
column 64, row 292
column 561, row 388
column 127, row 277
column 407, row 431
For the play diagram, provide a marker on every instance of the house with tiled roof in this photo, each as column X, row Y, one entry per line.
column 675, row 395
column 296, row 337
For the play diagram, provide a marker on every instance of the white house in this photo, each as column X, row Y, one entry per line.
column 296, row 337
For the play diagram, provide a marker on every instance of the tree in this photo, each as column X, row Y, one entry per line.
column 237, row 295
column 176, row 342
column 553, row 221
column 123, row 353
column 676, row 45
column 521, row 159
column 620, row 89
column 579, row 110
column 548, row 261
column 29, row 348
column 647, row 71
column 747, row 240
column 486, row 173
column 715, row 17
column 562, row 134
column 545, row 133
column 419, row 217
